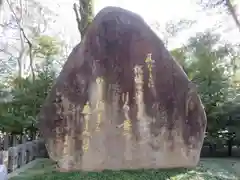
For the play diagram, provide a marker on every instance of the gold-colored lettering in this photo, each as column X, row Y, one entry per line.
column 98, row 122
column 85, row 145
column 86, row 134
column 127, row 123
column 139, row 89
column 127, row 127
column 99, row 80
column 86, row 109
column 100, row 104
column 149, row 62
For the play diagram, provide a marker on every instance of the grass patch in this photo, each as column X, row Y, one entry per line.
column 208, row 169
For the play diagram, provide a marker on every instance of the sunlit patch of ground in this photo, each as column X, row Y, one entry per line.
column 208, row 169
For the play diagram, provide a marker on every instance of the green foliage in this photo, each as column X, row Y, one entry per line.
column 22, row 102
column 19, row 113
column 208, row 63
column 47, row 46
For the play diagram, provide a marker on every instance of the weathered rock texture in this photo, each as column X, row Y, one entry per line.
column 122, row 102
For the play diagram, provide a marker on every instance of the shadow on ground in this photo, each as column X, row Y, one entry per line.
column 208, row 169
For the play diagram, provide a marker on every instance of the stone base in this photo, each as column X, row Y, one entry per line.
column 135, row 156
column 167, row 160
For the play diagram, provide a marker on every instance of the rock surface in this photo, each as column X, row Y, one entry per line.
column 122, row 102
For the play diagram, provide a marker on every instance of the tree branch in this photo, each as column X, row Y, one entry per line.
column 25, row 37
column 84, row 15
column 78, row 19
column 232, row 11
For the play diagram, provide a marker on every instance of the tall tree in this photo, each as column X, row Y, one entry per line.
column 207, row 62
column 20, row 105
column 17, row 48
column 84, row 15
column 227, row 5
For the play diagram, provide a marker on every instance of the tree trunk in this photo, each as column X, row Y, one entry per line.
column 210, row 150
column 31, row 60
column 23, row 38
column 84, row 15
column 229, row 142
column 233, row 13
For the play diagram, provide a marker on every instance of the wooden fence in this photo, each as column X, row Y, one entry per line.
column 17, row 151
column 220, row 152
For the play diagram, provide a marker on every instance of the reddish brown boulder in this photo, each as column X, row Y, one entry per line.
column 122, row 102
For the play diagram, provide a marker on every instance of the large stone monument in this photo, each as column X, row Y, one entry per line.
column 122, row 102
